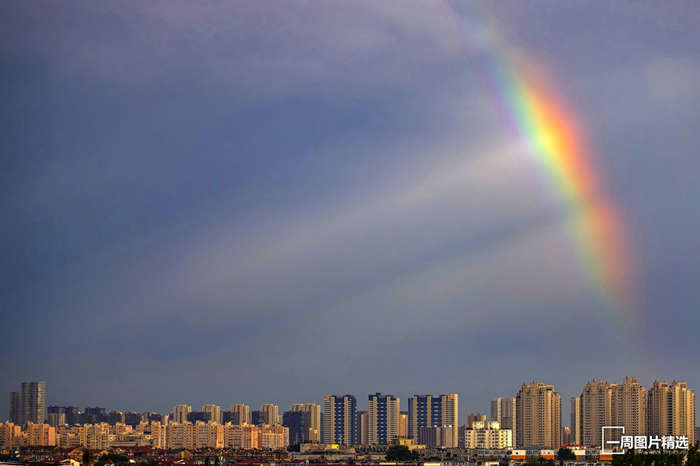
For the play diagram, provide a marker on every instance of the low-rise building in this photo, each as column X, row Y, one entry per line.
column 485, row 434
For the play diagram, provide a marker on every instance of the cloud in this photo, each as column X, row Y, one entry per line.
column 672, row 81
column 249, row 45
column 312, row 258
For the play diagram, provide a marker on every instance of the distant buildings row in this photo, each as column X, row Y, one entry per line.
column 661, row 411
column 534, row 414
column 153, row 434
column 531, row 418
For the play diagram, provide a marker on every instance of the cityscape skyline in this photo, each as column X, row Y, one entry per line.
column 665, row 415
column 599, row 404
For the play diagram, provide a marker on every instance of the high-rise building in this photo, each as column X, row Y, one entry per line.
column 496, row 409
column 683, row 411
column 56, row 415
column 596, row 411
column 432, row 410
column 671, row 410
column 575, row 421
column 339, row 420
column 363, row 427
column 503, row 411
column 538, row 416
column 609, row 404
column 629, row 406
column 16, row 408
column 420, row 414
column 294, row 421
column 270, row 413
column 383, row 419
column 403, row 424
column 658, row 409
column 450, row 414
column 311, row 421
column 33, row 397
column 214, row 412
column 241, row 414
column 437, row 437
column 180, row 413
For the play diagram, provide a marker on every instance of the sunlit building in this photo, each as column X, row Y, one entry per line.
column 538, row 416
column 481, row 434
column 430, row 411
column 671, row 410
column 180, row 435
column 383, row 419
column 339, row 420
column 503, row 411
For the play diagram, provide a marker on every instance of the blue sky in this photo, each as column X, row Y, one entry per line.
column 257, row 201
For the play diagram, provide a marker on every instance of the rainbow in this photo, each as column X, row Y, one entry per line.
column 555, row 140
column 537, row 114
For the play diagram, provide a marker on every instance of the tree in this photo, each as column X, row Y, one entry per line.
column 565, row 454
column 400, row 453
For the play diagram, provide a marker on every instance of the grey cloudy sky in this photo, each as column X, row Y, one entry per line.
column 270, row 201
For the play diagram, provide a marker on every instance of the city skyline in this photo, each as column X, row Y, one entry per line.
column 204, row 202
column 598, row 404
column 665, row 413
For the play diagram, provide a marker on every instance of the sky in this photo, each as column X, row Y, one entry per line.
column 261, row 201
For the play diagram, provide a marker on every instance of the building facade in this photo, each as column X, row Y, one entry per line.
column 433, row 411
column 29, row 404
column 311, row 421
column 538, row 416
column 339, row 420
column 671, row 410
column 629, row 406
column 485, row 435
column 180, row 413
column 575, row 437
column 270, row 414
column 240, row 414
column 503, row 411
column 437, row 436
column 383, row 419
column 214, row 413
column 596, row 411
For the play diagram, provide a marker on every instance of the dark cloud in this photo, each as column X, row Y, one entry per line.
column 238, row 202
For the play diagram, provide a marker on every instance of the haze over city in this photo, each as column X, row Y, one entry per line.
column 252, row 202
